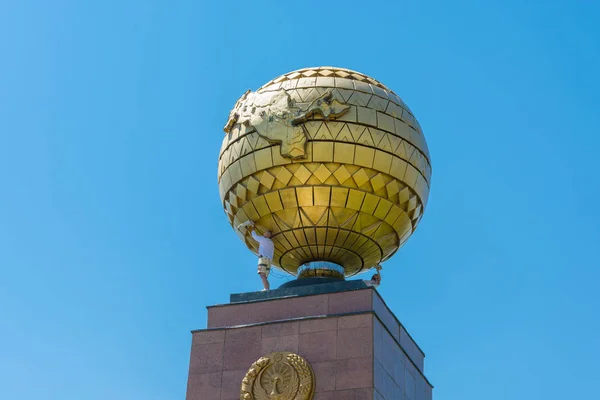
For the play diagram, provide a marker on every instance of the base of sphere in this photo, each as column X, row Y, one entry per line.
column 321, row 269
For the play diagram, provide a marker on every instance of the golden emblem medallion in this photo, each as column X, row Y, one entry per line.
column 279, row 376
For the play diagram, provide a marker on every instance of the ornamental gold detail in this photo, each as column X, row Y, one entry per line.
column 279, row 376
column 332, row 162
column 277, row 118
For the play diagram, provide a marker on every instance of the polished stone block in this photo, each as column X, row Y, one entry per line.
column 356, row 346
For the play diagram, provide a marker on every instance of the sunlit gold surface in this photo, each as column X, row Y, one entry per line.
column 320, row 273
column 279, row 376
column 332, row 162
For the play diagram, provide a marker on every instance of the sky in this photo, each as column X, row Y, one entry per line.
column 112, row 234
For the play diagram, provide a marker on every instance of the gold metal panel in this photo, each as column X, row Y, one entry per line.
column 392, row 187
column 321, row 234
column 382, row 161
column 402, row 225
column 378, row 103
column 252, row 185
column 325, row 81
column 250, row 211
column 267, row 179
column 341, row 238
column 330, row 238
column 422, row 189
column 377, row 182
column 362, row 87
column 398, row 169
column 322, row 195
column 225, row 183
column 402, row 130
column 364, row 156
column 360, row 99
column 344, row 153
column 263, row 159
column 248, row 165
column 367, row 116
column 410, row 176
column 240, row 191
column 322, row 173
column 233, row 199
column 274, row 201
column 306, row 82
column 392, row 215
column 288, row 198
column 338, row 196
column 323, row 151
column 344, row 94
column 310, row 238
column 344, row 83
column 379, row 91
column 302, row 174
column 394, row 110
column 385, row 122
column 261, row 206
column 403, row 196
column 370, row 203
column 278, row 159
column 360, row 177
column 408, row 118
column 305, row 196
column 350, row 116
column 355, row 199
column 235, row 172
column 382, row 209
column 284, row 175
column 341, row 174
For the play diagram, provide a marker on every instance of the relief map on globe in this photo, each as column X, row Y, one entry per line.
column 332, row 162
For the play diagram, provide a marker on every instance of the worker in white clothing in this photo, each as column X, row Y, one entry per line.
column 265, row 255
column 375, row 279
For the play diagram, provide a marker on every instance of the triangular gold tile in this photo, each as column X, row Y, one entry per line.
column 312, row 214
column 365, row 222
column 312, row 127
column 360, row 99
column 324, row 218
column 356, row 130
column 377, row 135
column 385, row 144
column 370, row 230
column 344, row 135
column 287, row 218
column 294, row 96
column 333, row 222
column 335, row 128
column 252, row 139
column 307, row 95
column 345, row 217
column 366, row 139
column 323, row 133
column 346, row 94
column 246, row 147
column 394, row 142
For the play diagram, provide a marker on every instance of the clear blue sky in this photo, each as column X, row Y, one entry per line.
column 112, row 236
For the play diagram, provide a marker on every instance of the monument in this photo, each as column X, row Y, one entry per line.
column 336, row 166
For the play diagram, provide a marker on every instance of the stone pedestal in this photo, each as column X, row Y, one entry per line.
column 357, row 348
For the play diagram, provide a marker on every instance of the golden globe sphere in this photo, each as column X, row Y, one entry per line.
column 332, row 162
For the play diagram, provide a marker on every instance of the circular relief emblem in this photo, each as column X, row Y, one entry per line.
column 279, row 376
